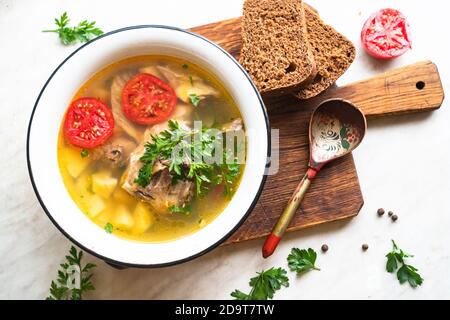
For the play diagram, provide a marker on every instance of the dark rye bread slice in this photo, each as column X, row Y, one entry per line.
column 333, row 54
column 275, row 49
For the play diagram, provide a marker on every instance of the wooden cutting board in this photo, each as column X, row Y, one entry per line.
column 335, row 193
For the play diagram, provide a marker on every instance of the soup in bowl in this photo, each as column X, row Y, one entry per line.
column 148, row 146
column 117, row 143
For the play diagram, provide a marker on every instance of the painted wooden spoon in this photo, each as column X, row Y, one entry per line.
column 336, row 128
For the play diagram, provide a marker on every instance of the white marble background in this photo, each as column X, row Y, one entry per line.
column 402, row 165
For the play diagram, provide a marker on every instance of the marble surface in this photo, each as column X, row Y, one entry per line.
column 403, row 165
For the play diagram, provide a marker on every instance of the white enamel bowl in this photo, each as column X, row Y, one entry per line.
column 48, row 113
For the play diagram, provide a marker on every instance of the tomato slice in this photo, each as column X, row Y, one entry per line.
column 386, row 34
column 147, row 99
column 89, row 122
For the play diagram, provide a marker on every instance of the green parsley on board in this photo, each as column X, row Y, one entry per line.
column 264, row 285
column 59, row 289
column 83, row 32
column 406, row 273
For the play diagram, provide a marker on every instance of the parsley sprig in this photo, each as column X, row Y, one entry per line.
column 264, row 285
column 406, row 272
column 186, row 210
column 60, row 290
column 109, row 228
column 84, row 153
column 302, row 261
column 83, row 32
column 185, row 150
column 193, row 97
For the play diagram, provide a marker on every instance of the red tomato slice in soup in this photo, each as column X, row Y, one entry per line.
column 89, row 122
column 147, row 99
column 386, row 34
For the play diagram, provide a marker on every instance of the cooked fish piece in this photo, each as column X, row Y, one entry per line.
column 235, row 125
column 185, row 84
column 183, row 113
column 235, row 139
column 160, row 193
column 120, row 119
column 153, row 70
column 116, row 152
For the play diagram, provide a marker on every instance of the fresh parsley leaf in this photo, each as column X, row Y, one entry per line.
column 409, row 273
column 302, row 260
column 264, row 285
column 191, row 80
column 406, row 272
column 391, row 264
column 194, row 99
column 239, row 295
column 396, row 255
column 185, row 66
column 228, row 174
column 83, row 32
column 64, row 287
column 84, row 153
column 186, row 210
column 109, row 227
column 188, row 164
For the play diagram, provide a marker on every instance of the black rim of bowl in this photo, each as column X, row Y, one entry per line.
column 212, row 246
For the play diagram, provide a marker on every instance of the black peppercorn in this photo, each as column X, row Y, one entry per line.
column 380, row 212
column 324, row 248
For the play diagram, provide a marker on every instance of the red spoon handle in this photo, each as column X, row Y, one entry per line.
column 278, row 230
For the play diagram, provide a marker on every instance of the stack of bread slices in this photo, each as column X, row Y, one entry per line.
column 287, row 48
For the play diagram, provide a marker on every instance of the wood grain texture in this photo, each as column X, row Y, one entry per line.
column 414, row 88
column 226, row 33
column 335, row 194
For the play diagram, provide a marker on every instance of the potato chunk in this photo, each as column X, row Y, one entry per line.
column 75, row 164
column 95, row 205
column 122, row 218
column 103, row 184
column 143, row 218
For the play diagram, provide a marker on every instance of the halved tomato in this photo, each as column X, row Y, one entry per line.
column 147, row 99
column 89, row 122
column 386, row 34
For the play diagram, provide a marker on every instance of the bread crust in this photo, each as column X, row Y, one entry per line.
column 276, row 51
column 333, row 54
